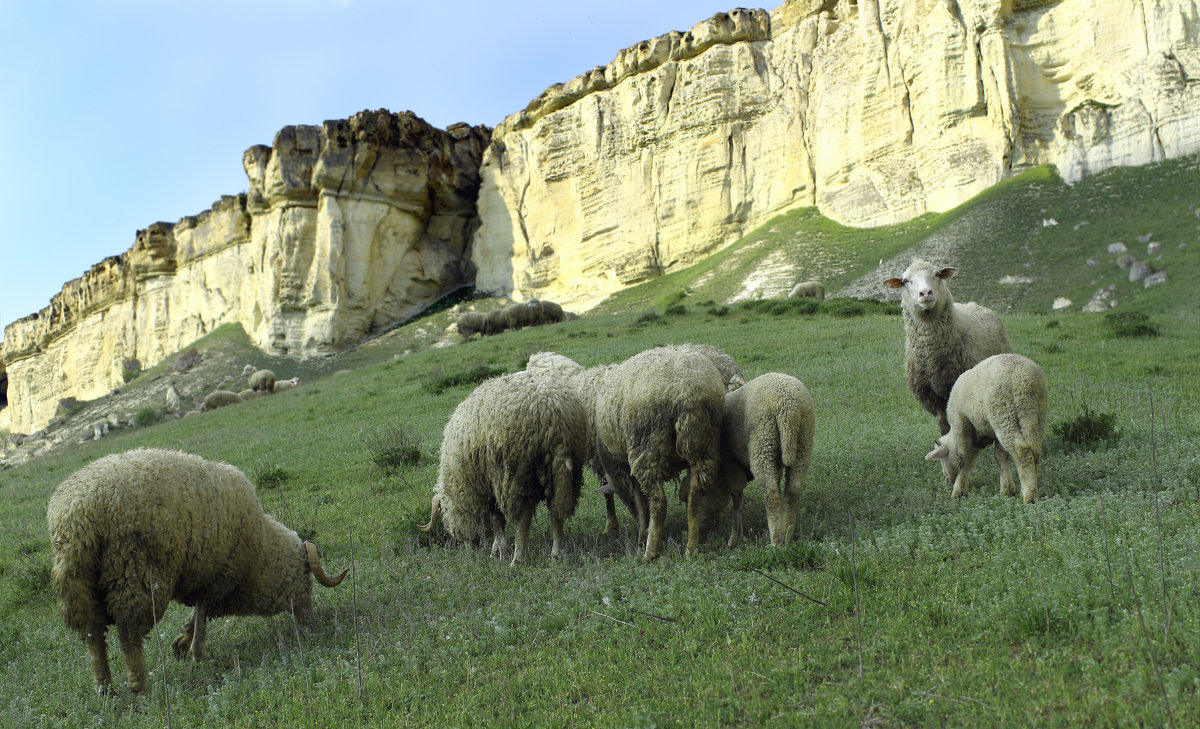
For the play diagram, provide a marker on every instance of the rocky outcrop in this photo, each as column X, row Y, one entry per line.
column 874, row 111
column 347, row 228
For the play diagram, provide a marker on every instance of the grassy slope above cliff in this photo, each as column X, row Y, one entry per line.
column 980, row 611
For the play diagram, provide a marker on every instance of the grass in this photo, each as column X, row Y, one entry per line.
column 979, row 611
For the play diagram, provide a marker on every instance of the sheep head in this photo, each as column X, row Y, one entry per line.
column 923, row 284
column 284, row 583
column 945, row 452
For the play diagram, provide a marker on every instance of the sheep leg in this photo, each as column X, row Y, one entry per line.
column 523, row 522
column 135, row 661
column 658, row 517
column 97, row 647
column 1008, row 486
column 199, row 630
column 610, row 510
column 499, row 541
column 736, row 533
column 694, row 512
column 641, row 509
column 183, row 642
column 1027, row 465
column 960, row 481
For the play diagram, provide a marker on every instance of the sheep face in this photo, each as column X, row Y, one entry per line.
column 922, row 284
column 957, row 460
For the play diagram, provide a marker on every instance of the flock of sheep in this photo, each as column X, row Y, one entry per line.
column 518, row 315
column 132, row 531
column 262, row 382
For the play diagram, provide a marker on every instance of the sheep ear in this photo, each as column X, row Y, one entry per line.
column 947, row 272
column 938, row 453
column 894, row 283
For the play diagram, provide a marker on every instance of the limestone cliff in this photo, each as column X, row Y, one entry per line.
column 873, row 110
column 347, row 227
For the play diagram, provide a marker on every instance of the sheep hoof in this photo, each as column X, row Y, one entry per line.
column 181, row 645
column 610, row 527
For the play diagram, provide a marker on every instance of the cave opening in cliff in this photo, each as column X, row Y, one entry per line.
column 3, row 389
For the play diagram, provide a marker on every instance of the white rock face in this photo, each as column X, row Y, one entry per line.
column 875, row 111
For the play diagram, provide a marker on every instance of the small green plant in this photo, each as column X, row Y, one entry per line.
column 649, row 317
column 844, row 307
column 1053, row 324
column 269, row 474
column 29, row 577
column 675, row 310
column 721, row 310
column 392, row 447
column 146, row 417
column 801, row 554
column 1088, row 430
column 1130, row 324
column 438, row 380
column 130, row 369
column 841, row 570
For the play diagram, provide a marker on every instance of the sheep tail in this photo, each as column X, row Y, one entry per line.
column 789, row 437
column 73, row 572
column 565, row 493
column 435, row 508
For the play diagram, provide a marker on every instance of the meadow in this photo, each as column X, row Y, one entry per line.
column 895, row 605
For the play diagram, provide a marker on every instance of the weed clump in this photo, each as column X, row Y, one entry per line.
column 675, row 310
column 269, row 475
column 393, row 447
column 1088, row 430
column 649, row 317
column 801, row 554
column 146, row 417
column 1130, row 324
column 438, row 381
column 130, row 369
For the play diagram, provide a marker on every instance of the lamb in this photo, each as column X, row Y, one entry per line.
column 943, row 338
column 261, row 380
column 656, row 413
column 766, row 434
column 132, row 531
column 283, row 385
column 1003, row 398
column 516, row 440
column 219, row 399
column 808, row 290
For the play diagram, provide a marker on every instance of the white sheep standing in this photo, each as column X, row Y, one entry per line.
column 1004, row 399
column 283, row 385
column 766, row 434
column 942, row 338
column 261, row 380
column 219, row 399
column 656, row 413
column 808, row 290
column 132, row 531
column 516, row 440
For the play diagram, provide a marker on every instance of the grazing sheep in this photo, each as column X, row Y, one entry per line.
column 496, row 322
column 516, row 440
column 219, row 399
column 656, row 413
column 1003, row 398
column 518, row 316
column 261, row 380
column 767, row 435
column 808, row 290
column 132, row 531
column 546, row 312
column 943, row 338
column 249, row 394
column 282, row 385
column 471, row 323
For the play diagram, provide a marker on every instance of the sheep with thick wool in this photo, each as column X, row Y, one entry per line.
column 285, row 385
column 1002, row 399
column 470, row 323
column 219, row 399
column 942, row 338
column 132, row 531
column 588, row 384
column 261, row 380
column 657, row 413
column 767, row 435
column 808, row 290
column 513, row 442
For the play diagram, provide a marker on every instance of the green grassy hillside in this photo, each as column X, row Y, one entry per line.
column 1081, row 610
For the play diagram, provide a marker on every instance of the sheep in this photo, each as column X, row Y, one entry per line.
column 249, row 394
column 518, row 316
column 1003, row 399
column 808, row 290
column 516, row 440
column 766, row 434
column 943, row 338
column 219, row 399
column 283, row 385
column 496, row 322
column 471, row 323
column 588, row 384
column 261, row 380
column 656, row 413
column 132, row 531
column 546, row 312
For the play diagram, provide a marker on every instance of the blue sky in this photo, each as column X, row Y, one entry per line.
column 115, row 114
